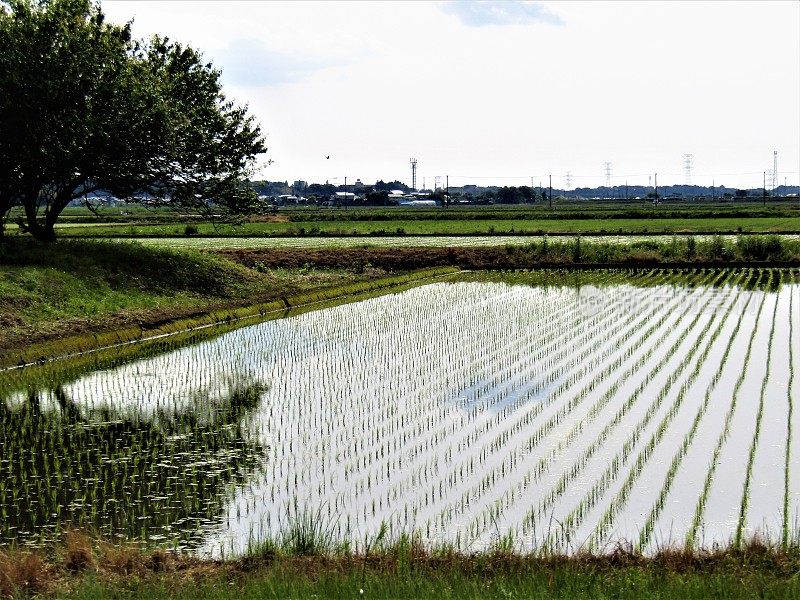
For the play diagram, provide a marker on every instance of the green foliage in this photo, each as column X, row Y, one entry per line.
column 716, row 248
column 691, row 247
column 758, row 247
column 576, row 250
column 83, row 107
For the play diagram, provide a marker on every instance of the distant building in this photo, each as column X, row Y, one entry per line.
column 413, row 201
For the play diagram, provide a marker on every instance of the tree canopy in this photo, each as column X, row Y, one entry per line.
column 84, row 107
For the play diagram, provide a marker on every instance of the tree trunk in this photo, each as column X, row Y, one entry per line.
column 44, row 232
column 32, row 224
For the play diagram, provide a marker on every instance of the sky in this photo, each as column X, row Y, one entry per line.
column 504, row 92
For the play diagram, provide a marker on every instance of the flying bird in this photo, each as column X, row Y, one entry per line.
column 327, row 157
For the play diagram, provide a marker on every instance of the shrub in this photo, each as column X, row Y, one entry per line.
column 716, row 247
column 576, row 250
column 691, row 247
column 757, row 247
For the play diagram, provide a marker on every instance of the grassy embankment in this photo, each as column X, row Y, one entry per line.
column 74, row 287
column 83, row 568
column 545, row 252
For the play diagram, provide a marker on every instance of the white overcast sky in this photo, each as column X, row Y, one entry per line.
column 498, row 92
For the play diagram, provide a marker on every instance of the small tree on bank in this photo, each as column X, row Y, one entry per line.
column 83, row 107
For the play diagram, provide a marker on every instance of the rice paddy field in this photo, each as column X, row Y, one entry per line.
column 654, row 408
column 409, row 241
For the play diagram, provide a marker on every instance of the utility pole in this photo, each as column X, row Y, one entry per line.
column 656, row 198
column 712, row 190
column 551, row 190
column 447, row 193
column 345, row 192
column 764, row 189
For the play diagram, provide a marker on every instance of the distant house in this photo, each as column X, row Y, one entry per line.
column 344, row 196
column 290, row 199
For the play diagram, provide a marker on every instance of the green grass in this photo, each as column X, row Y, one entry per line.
column 450, row 582
column 69, row 286
column 561, row 209
column 781, row 224
column 83, row 568
column 533, row 253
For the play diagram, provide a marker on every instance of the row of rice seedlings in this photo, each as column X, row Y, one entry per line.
column 618, row 503
column 691, row 536
column 615, row 345
column 649, row 524
column 785, row 532
column 739, row 538
column 564, row 534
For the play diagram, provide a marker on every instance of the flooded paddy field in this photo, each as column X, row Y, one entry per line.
column 553, row 410
column 408, row 241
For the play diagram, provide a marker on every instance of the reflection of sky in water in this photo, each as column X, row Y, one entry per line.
column 456, row 409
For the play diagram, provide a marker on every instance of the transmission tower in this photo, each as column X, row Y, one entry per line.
column 607, row 166
column 414, row 174
column 774, row 171
column 687, row 167
column 436, row 182
column 568, row 180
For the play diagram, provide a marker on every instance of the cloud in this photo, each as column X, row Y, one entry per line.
column 480, row 13
column 247, row 62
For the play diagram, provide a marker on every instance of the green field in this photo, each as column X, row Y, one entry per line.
column 441, row 227
column 410, row 241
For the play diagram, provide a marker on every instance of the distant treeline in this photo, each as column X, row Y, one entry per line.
column 376, row 194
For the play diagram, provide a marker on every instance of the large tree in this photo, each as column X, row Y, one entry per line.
column 83, row 107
